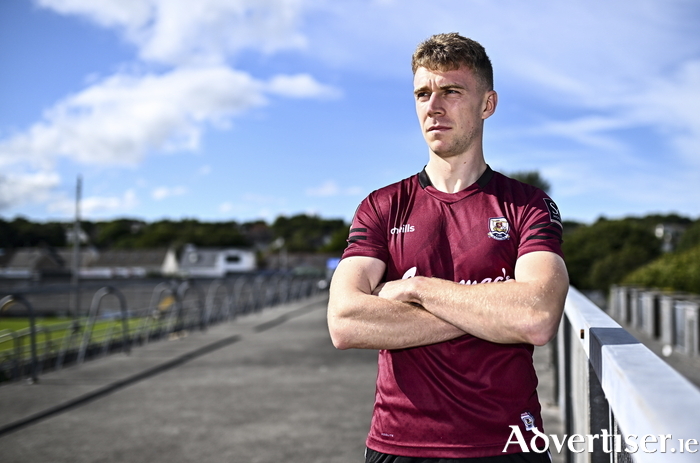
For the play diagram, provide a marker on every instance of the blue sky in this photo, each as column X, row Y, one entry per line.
column 247, row 109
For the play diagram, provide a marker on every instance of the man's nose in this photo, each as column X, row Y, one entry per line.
column 435, row 105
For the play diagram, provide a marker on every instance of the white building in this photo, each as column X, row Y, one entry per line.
column 215, row 262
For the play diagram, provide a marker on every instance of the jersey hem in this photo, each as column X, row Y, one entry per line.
column 490, row 450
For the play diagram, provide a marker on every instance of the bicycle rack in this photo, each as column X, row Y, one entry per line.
column 154, row 312
column 32, row 328
column 259, row 292
column 211, row 299
column 171, row 309
column 182, row 291
column 241, row 305
column 67, row 342
column 94, row 311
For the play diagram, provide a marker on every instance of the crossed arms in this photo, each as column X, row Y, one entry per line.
column 362, row 313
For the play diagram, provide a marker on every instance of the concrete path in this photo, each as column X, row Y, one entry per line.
column 267, row 387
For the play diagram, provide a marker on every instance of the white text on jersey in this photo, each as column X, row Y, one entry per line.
column 408, row 228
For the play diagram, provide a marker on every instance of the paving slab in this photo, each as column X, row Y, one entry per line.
column 266, row 387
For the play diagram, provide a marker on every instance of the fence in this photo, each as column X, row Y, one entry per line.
column 669, row 317
column 612, row 386
column 110, row 324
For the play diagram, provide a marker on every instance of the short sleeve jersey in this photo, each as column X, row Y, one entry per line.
column 455, row 399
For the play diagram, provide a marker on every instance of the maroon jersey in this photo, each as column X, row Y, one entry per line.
column 454, row 399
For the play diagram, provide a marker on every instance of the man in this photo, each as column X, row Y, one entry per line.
column 454, row 274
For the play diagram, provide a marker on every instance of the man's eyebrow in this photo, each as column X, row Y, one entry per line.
column 442, row 87
column 422, row 89
column 451, row 86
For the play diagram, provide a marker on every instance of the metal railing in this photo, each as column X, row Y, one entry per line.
column 669, row 317
column 612, row 386
column 174, row 308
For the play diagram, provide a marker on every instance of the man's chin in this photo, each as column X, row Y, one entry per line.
column 444, row 153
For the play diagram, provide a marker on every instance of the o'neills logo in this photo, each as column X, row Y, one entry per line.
column 408, row 228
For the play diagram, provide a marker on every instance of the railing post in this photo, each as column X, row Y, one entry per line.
column 237, row 296
column 565, row 400
column 668, row 324
column 95, row 310
column 32, row 327
column 211, row 298
column 629, row 391
column 599, row 416
column 182, row 290
column 689, row 311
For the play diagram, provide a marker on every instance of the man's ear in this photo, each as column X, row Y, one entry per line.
column 490, row 103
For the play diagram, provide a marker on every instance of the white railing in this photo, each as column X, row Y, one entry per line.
column 610, row 384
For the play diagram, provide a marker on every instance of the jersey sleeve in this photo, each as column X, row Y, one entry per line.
column 541, row 228
column 367, row 236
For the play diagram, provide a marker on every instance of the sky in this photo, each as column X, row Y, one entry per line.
column 241, row 110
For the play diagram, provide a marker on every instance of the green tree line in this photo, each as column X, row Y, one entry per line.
column 678, row 270
column 300, row 233
column 622, row 251
column 627, row 251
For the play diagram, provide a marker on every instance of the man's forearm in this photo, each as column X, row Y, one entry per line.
column 525, row 309
column 370, row 322
column 499, row 312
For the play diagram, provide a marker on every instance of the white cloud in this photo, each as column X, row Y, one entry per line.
column 107, row 13
column 185, row 32
column 301, row 86
column 124, row 117
column 589, row 72
column 164, row 192
column 354, row 191
column 226, row 207
column 328, row 188
column 591, row 131
column 120, row 119
column 670, row 106
column 666, row 107
column 95, row 206
column 20, row 189
column 610, row 67
column 331, row 188
column 631, row 65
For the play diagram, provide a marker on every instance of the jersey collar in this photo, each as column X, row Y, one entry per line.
column 481, row 182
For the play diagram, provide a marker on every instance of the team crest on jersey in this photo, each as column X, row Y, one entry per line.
column 499, row 228
column 528, row 420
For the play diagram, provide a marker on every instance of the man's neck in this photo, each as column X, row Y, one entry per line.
column 454, row 174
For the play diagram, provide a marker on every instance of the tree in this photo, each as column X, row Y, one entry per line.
column 21, row 232
column 677, row 271
column 119, row 234
column 338, row 241
column 304, row 233
column 603, row 253
column 531, row 178
column 690, row 238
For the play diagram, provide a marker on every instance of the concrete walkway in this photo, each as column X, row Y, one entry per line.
column 267, row 387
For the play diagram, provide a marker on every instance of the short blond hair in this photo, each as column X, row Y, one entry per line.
column 448, row 52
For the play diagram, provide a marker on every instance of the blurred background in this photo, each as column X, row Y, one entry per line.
column 204, row 159
column 262, row 124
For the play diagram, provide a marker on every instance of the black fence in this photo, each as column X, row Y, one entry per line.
column 124, row 314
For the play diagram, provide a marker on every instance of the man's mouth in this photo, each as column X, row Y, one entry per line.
column 437, row 128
